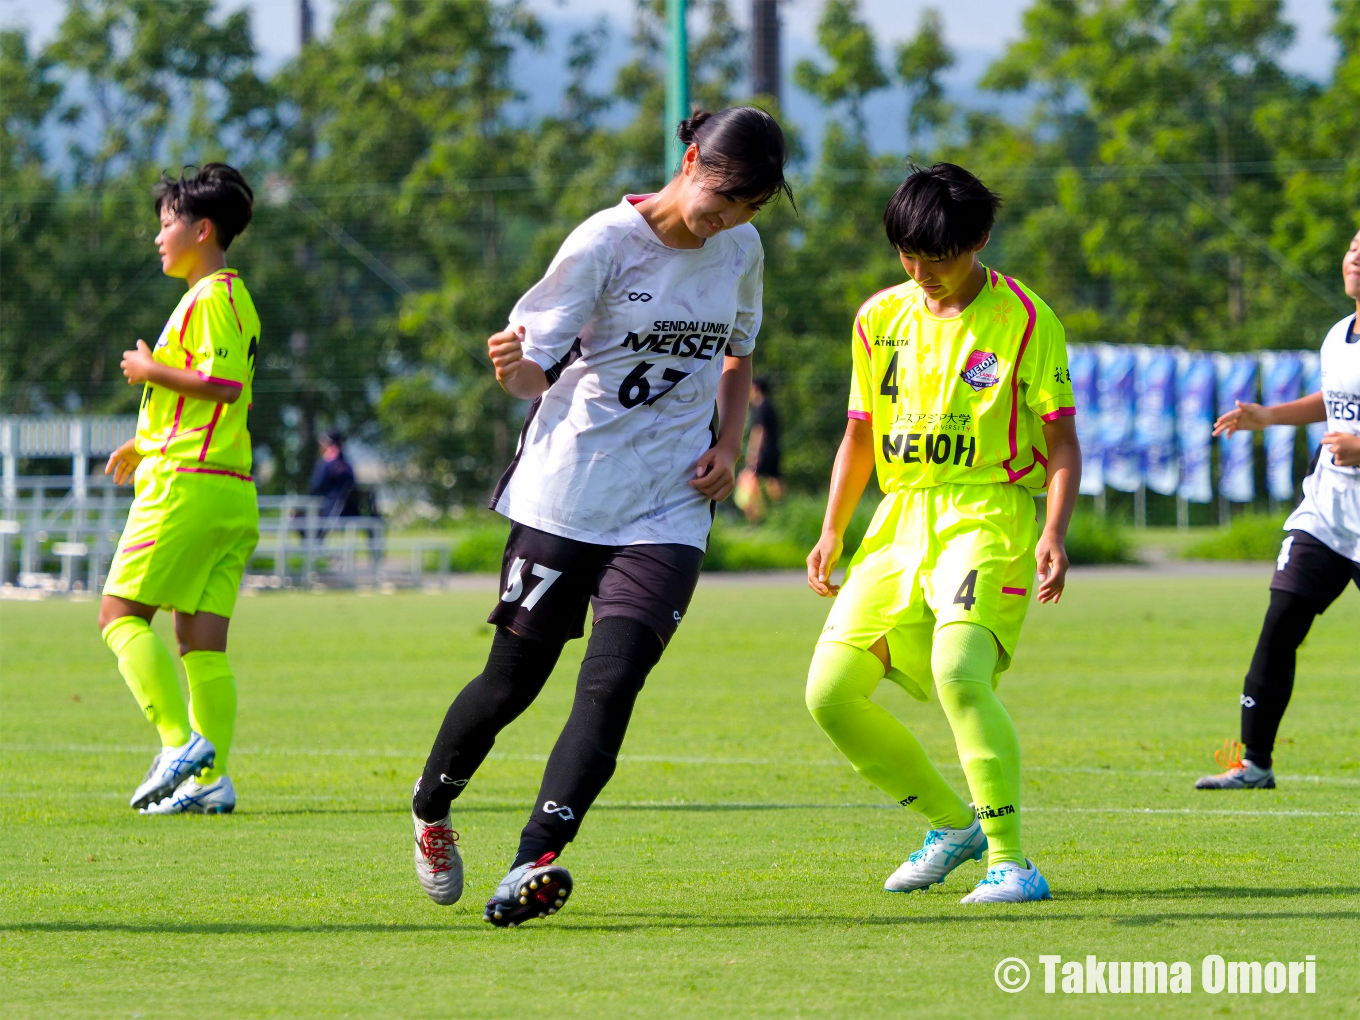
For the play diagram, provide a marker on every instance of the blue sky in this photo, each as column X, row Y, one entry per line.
column 977, row 30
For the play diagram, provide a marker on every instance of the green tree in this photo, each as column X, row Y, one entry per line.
column 855, row 73
column 920, row 62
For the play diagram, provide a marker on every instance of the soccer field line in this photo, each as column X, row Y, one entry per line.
column 653, row 759
column 400, row 805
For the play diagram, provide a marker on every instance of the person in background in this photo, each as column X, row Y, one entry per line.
column 761, row 479
column 333, row 478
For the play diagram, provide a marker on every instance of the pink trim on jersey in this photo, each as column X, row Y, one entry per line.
column 139, row 545
column 185, row 324
column 638, row 199
column 1039, row 458
column 220, row 382
column 860, row 330
column 1011, row 473
column 859, row 415
column 174, row 429
column 213, row 471
column 207, row 438
column 227, row 278
column 993, row 275
column 1014, row 591
column 1062, row 412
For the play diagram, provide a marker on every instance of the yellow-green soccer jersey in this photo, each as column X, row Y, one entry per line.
column 215, row 332
column 964, row 399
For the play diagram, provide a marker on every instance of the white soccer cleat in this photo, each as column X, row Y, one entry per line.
column 1009, row 883
column 943, row 851
column 439, row 865
column 1242, row 773
column 529, row 891
column 191, row 798
column 171, row 767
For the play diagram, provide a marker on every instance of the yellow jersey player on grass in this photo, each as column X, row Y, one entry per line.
column 194, row 521
column 960, row 396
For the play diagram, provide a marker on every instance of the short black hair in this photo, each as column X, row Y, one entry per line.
column 216, row 192
column 742, row 152
column 940, row 211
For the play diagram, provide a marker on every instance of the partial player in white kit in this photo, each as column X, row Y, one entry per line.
column 1321, row 554
column 642, row 327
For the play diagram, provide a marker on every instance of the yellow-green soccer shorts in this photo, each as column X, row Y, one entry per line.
column 190, row 532
column 946, row 554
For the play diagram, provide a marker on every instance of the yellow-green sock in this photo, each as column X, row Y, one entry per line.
column 212, row 703
column 963, row 660
column 150, row 673
column 882, row 750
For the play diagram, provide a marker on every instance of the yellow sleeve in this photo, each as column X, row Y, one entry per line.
column 215, row 338
column 861, row 373
column 1043, row 370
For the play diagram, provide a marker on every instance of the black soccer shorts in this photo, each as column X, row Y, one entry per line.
column 1311, row 569
column 547, row 582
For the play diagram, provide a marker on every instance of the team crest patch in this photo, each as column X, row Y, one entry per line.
column 980, row 371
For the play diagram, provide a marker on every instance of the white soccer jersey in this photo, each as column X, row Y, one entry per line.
column 632, row 335
column 1330, row 510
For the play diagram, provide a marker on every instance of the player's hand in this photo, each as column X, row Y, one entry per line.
column 1344, row 447
column 1053, row 565
column 1246, row 417
column 138, row 363
column 123, row 463
column 507, row 353
column 715, row 474
column 821, row 561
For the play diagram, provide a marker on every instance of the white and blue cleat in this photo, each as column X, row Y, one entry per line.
column 529, row 891
column 191, row 798
column 1007, row 882
column 943, row 851
column 171, row 767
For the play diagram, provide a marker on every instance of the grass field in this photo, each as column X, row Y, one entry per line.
column 733, row 867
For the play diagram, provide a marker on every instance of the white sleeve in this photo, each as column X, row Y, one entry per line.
column 750, row 303
column 554, row 309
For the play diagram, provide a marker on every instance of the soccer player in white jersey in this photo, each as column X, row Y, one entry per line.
column 645, row 320
column 1321, row 553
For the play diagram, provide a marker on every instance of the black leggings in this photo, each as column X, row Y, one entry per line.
column 1270, row 680
column 619, row 655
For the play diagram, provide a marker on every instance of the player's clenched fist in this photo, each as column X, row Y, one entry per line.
column 507, row 353
column 138, row 363
column 519, row 376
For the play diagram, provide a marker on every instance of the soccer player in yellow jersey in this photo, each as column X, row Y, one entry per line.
column 960, row 396
column 194, row 521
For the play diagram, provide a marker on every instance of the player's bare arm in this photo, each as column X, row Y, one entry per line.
column 1251, row 417
column 140, row 367
column 519, row 376
column 849, row 476
column 715, row 474
column 1063, row 480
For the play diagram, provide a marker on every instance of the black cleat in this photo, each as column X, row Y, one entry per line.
column 529, row 891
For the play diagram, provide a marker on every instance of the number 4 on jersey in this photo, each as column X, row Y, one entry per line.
column 516, row 586
column 967, row 593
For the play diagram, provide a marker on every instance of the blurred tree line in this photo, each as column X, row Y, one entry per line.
column 1170, row 182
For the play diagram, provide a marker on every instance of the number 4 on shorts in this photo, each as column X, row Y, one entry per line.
column 516, row 586
column 967, row 593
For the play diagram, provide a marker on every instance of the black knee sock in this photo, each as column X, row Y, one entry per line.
column 1270, row 681
column 620, row 655
column 516, row 670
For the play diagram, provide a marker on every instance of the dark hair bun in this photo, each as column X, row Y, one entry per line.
column 742, row 152
column 689, row 127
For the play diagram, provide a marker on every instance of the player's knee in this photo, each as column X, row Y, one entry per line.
column 840, row 675
column 963, row 651
column 1288, row 620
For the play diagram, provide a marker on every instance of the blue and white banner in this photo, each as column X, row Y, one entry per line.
column 1281, row 379
column 1195, row 424
column 1236, row 381
column 1155, row 417
column 1115, row 384
column 1081, row 362
column 1312, row 383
